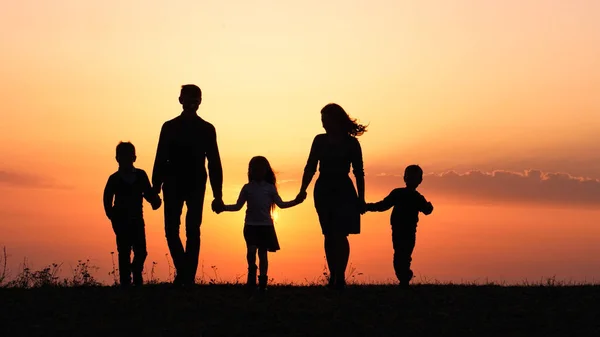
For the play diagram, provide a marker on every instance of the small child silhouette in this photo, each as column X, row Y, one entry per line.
column 407, row 203
column 259, row 231
column 126, row 188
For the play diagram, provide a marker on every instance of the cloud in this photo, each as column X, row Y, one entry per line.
column 28, row 180
column 526, row 186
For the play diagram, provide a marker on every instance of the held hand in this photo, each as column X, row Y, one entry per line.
column 301, row 195
column 362, row 207
column 217, row 206
column 157, row 203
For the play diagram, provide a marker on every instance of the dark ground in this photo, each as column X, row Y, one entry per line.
column 225, row 310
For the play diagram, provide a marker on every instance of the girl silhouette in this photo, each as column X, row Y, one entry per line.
column 259, row 231
column 336, row 201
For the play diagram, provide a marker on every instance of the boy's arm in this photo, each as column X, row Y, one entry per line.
column 238, row 205
column 149, row 193
column 215, row 169
column 426, row 206
column 108, row 196
column 383, row 205
column 160, row 160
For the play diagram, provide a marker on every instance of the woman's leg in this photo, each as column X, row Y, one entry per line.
column 330, row 255
column 343, row 254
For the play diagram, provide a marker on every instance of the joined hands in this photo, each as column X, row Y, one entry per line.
column 217, row 206
column 300, row 197
column 156, row 203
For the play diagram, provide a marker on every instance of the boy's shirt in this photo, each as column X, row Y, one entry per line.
column 128, row 195
column 407, row 204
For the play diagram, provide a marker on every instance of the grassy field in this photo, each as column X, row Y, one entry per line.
column 360, row 310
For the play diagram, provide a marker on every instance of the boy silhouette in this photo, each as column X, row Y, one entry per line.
column 127, row 188
column 407, row 203
column 185, row 143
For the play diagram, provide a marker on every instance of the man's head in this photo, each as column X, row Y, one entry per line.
column 413, row 176
column 190, row 97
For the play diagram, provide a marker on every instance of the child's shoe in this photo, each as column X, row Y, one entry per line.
column 251, row 282
column 262, row 282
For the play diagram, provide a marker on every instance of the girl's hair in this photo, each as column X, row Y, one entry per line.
column 254, row 172
column 340, row 117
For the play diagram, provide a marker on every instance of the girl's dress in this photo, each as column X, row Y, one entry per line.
column 259, row 229
column 335, row 197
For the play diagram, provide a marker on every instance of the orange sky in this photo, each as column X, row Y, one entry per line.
column 461, row 85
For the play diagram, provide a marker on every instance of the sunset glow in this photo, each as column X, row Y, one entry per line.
column 496, row 100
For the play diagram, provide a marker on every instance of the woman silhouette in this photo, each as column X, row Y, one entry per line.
column 336, row 201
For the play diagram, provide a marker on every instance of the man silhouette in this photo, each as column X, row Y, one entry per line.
column 185, row 143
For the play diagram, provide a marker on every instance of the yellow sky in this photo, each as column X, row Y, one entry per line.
column 470, row 84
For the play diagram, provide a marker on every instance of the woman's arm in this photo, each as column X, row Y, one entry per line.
column 311, row 165
column 358, row 170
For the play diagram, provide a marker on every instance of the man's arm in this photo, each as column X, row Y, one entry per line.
column 160, row 161
column 108, row 196
column 215, row 170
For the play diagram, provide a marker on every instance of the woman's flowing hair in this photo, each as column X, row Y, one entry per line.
column 340, row 117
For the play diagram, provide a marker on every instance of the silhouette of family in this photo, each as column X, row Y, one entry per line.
column 187, row 142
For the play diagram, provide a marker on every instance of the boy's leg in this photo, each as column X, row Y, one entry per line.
column 404, row 244
column 193, row 220
column 251, row 257
column 139, row 252
column 173, row 207
column 263, row 265
column 124, row 252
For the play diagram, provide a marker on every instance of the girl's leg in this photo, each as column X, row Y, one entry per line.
column 263, row 266
column 263, row 261
column 251, row 257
